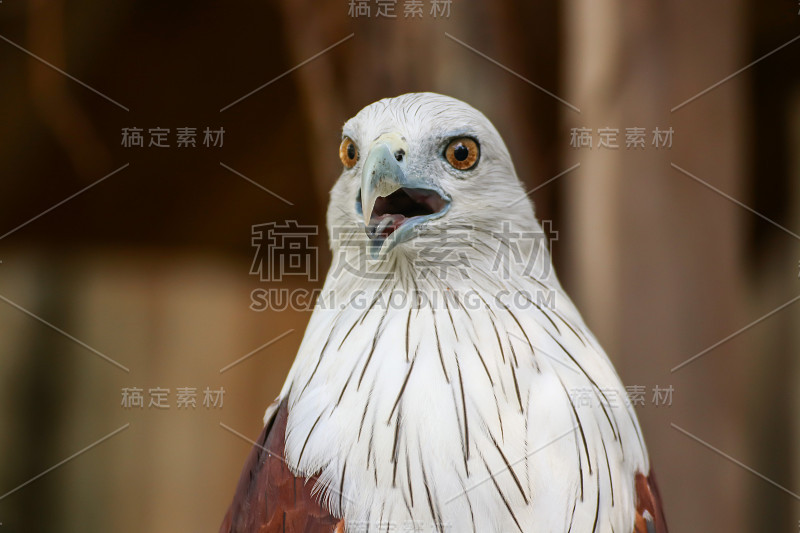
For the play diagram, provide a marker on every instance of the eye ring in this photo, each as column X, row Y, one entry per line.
column 462, row 153
column 348, row 152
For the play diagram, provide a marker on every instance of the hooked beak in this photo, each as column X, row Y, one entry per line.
column 391, row 202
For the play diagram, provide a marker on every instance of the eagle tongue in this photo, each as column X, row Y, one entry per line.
column 385, row 225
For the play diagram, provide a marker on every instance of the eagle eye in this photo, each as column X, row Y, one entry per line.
column 348, row 152
column 462, row 153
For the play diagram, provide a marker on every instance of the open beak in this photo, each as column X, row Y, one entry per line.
column 390, row 201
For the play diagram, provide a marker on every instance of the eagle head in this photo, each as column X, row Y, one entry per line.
column 422, row 164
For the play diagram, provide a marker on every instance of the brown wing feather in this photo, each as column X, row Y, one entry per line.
column 649, row 509
column 268, row 497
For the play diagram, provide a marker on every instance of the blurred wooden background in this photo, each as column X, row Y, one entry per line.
column 151, row 265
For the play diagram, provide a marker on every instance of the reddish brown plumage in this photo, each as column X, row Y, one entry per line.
column 648, row 499
column 268, row 497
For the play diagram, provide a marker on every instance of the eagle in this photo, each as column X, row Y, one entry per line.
column 445, row 381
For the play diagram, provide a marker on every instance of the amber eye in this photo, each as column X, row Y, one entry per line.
column 462, row 153
column 348, row 152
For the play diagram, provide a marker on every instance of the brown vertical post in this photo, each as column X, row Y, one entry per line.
column 656, row 256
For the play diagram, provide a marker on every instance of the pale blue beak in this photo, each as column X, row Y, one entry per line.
column 391, row 203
